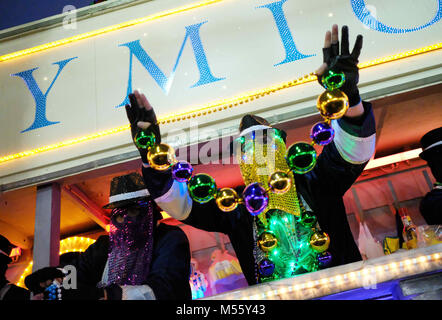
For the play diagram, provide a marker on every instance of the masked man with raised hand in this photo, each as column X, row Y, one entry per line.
column 141, row 259
column 317, row 193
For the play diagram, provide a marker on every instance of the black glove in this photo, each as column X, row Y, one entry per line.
column 136, row 113
column 33, row 281
column 345, row 62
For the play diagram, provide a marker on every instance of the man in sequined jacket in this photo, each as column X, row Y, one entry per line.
column 320, row 190
column 140, row 259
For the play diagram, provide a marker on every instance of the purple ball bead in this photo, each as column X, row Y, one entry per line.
column 182, row 171
column 255, row 198
column 266, row 267
column 324, row 259
column 322, row 133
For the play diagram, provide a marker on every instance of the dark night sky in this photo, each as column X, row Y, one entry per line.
column 17, row 12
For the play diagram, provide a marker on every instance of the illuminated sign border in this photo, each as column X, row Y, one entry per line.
column 340, row 282
column 191, row 112
column 220, row 105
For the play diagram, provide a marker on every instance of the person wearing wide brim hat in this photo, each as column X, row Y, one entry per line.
column 126, row 190
column 319, row 191
column 9, row 291
column 140, row 259
column 431, row 204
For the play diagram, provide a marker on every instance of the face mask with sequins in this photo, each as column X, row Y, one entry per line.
column 262, row 152
column 131, row 243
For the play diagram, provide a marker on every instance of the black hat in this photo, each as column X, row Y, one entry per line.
column 5, row 249
column 250, row 123
column 126, row 190
column 431, row 143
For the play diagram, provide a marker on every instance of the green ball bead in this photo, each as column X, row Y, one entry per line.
column 301, row 157
column 144, row 139
column 307, row 219
column 333, row 80
column 202, row 188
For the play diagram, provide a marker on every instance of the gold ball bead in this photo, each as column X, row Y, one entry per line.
column 227, row 199
column 267, row 241
column 319, row 241
column 161, row 156
column 332, row 104
column 280, row 182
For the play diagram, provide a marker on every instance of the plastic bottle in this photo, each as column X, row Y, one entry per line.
column 409, row 232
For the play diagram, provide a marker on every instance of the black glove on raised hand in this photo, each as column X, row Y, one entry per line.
column 137, row 112
column 33, row 281
column 345, row 62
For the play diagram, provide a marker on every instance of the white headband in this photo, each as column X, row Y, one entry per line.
column 254, row 128
column 433, row 145
column 129, row 195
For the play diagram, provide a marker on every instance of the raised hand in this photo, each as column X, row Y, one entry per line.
column 142, row 118
column 339, row 59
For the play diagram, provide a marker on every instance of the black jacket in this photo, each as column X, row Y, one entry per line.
column 169, row 271
column 11, row 292
column 431, row 207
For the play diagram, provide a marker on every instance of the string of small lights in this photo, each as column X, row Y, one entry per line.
column 366, row 274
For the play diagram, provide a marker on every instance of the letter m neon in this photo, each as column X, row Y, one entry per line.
column 192, row 33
